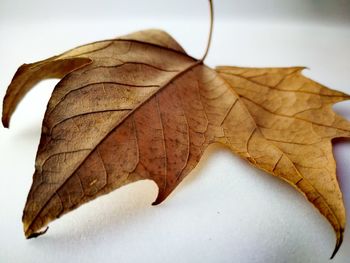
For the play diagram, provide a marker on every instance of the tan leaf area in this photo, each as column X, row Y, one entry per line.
column 295, row 115
column 138, row 107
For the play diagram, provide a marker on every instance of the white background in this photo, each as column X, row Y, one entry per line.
column 225, row 210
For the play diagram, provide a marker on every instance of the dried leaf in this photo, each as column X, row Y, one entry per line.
column 139, row 107
column 145, row 111
column 295, row 115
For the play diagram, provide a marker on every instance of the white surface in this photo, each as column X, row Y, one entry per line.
column 226, row 210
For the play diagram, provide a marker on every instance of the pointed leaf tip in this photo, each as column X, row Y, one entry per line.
column 5, row 122
column 340, row 237
column 28, row 75
column 37, row 234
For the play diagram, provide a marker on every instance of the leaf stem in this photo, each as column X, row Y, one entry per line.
column 210, row 30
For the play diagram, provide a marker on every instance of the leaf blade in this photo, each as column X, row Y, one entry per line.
column 51, row 123
column 59, row 66
column 294, row 114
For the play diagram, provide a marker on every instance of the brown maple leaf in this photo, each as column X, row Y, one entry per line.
column 138, row 107
column 144, row 111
